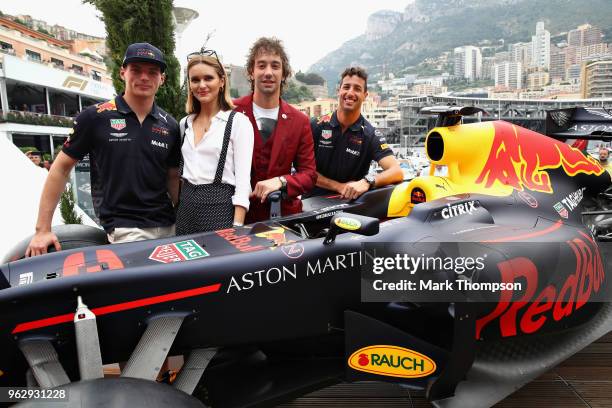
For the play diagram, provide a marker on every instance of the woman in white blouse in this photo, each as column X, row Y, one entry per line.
column 217, row 150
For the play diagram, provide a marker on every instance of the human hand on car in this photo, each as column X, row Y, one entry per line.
column 354, row 189
column 40, row 242
column 265, row 187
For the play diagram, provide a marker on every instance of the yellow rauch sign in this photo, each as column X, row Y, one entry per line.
column 392, row 361
column 347, row 223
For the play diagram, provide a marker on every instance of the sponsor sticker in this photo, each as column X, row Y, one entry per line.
column 83, row 262
column 160, row 130
column 178, row 252
column 392, row 361
column 513, row 149
column 26, row 278
column 563, row 299
column 355, row 140
column 114, row 134
column 159, row 144
column 561, row 210
column 573, row 199
column 293, row 251
column 118, row 124
column 106, row 106
column 326, row 134
column 384, row 146
column 455, row 210
column 276, row 235
column 347, row 223
column 353, row 152
column 240, row 242
column 323, row 119
column 143, row 52
column 326, row 215
column 528, row 199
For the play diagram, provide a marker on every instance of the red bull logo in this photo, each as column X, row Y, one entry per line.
column 276, row 235
column 521, row 158
column 106, row 106
column 554, row 302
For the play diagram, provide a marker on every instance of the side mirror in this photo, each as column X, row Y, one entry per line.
column 359, row 224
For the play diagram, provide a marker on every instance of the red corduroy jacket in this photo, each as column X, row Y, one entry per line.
column 290, row 143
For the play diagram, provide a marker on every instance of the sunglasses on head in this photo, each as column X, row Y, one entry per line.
column 204, row 52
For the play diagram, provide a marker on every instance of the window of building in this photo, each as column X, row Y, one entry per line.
column 57, row 62
column 34, row 56
column 96, row 75
column 77, row 68
column 5, row 46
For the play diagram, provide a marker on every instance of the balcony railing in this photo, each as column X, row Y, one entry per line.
column 9, row 51
column 32, row 118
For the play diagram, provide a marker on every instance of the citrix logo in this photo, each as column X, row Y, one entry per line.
column 458, row 209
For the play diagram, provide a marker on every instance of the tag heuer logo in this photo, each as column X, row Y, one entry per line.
column 561, row 210
column 178, row 252
column 118, row 124
column 326, row 134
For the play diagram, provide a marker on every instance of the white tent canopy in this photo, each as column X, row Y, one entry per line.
column 22, row 184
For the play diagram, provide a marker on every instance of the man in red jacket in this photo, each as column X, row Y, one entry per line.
column 283, row 138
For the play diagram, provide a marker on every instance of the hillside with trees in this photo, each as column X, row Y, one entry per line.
column 446, row 24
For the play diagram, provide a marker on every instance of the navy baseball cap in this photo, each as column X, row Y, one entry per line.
column 144, row 52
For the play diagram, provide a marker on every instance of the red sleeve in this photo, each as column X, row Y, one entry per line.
column 306, row 170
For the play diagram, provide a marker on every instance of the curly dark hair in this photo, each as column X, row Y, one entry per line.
column 359, row 71
column 270, row 45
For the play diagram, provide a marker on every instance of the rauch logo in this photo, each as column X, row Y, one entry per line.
column 392, row 361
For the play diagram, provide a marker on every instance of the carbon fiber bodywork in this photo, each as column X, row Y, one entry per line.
column 285, row 309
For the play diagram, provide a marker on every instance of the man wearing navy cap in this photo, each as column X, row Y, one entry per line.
column 134, row 151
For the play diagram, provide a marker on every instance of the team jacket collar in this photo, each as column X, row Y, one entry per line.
column 124, row 108
column 355, row 127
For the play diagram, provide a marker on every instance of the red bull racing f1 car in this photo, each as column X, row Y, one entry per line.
column 267, row 312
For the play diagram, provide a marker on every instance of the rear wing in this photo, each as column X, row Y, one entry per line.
column 579, row 123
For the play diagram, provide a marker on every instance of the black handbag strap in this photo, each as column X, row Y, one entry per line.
column 226, row 139
column 183, row 128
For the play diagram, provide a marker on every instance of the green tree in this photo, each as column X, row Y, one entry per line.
column 43, row 31
column 310, row 78
column 234, row 93
column 19, row 21
column 131, row 21
column 296, row 94
column 67, row 211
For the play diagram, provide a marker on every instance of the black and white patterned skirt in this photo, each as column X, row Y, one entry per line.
column 204, row 207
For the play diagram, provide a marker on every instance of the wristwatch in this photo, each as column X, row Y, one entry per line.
column 371, row 180
column 283, row 181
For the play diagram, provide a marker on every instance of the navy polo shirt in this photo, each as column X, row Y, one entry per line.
column 346, row 157
column 129, row 163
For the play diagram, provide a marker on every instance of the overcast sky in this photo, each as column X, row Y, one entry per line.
column 309, row 29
